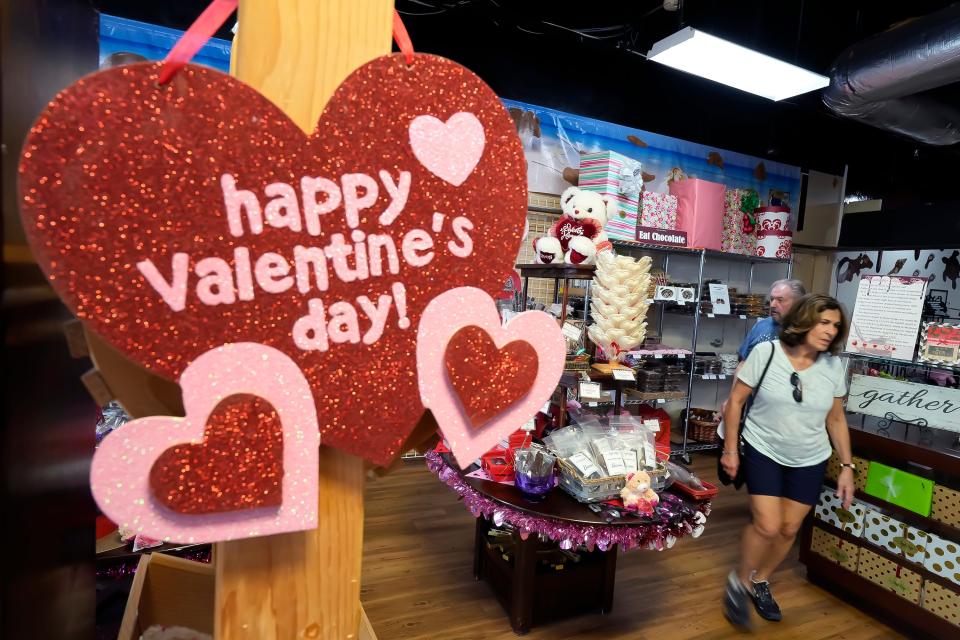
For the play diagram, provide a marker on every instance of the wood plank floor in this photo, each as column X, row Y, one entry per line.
column 418, row 583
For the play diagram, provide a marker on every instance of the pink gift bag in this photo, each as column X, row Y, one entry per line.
column 700, row 211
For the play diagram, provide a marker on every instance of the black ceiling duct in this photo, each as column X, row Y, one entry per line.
column 877, row 81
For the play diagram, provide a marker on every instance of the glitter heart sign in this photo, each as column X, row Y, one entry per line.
column 188, row 480
column 532, row 339
column 176, row 218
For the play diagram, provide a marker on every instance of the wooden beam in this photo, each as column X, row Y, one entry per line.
column 307, row 584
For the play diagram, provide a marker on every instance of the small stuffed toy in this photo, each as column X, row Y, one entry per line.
column 578, row 236
column 637, row 494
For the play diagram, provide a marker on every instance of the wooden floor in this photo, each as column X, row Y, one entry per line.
column 418, row 583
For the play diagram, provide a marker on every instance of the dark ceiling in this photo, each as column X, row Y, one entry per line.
column 533, row 50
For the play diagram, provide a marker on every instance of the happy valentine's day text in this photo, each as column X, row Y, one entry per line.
column 374, row 255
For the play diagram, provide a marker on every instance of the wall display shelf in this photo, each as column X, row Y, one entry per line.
column 918, row 592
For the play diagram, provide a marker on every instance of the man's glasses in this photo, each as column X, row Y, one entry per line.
column 797, row 386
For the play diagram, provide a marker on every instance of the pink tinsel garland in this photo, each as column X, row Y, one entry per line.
column 677, row 519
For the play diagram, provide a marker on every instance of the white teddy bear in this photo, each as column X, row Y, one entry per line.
column 578, row 236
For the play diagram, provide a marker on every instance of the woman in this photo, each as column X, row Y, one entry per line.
column 798, row 403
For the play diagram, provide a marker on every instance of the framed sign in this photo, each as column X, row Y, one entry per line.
column 886, row 317
column 940, row 343
column 907, row 401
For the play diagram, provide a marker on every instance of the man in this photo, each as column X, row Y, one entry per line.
column 783, row 293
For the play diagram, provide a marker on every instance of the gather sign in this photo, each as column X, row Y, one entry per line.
column 874, row 396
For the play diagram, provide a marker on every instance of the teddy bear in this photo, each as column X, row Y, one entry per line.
column 637, row 494
column 578, row 236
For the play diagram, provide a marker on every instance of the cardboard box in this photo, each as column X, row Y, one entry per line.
column 884, row 531
column 941, row 601
column 171, row 592
column 829, row 509
column 700, row 206
column 846, row 554
column 611, row 174
column 943, row 558
column 946, row 505
column 889, row 575
column 734, row 238
column 658, row 210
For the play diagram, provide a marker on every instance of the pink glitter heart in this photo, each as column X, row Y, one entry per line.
column 449, row 150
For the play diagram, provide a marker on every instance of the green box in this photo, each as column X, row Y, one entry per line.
column 900, row 488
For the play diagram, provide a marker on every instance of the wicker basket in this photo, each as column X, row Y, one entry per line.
column 834, row 549
column 946, row 505
column 942, row 601
column 889, row 575
column 702, row 425
column 599, row 489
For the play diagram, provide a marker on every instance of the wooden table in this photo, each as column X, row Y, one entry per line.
column 530, row 595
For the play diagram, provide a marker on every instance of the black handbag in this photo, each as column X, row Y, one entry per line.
column 725, row 478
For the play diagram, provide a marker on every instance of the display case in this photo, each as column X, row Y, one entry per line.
column 896, row 553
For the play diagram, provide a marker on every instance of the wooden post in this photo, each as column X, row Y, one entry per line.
column 306, row 584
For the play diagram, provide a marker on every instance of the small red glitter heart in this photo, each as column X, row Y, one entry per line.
column 209, row 477
column 488, row 380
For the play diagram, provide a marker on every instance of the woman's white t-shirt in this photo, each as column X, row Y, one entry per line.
column 790, row 432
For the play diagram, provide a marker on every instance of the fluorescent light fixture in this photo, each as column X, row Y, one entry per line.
column 722, row 61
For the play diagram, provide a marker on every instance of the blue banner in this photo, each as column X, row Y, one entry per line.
column 123, row 41
column 554, row 140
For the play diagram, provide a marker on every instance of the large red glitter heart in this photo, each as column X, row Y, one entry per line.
column 488, row 380
column 177, row 218
column 208, row 477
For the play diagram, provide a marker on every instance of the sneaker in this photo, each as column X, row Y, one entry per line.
column 766, row 606
column 736, row 602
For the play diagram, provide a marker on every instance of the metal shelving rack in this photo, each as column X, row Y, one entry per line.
column 702, row 255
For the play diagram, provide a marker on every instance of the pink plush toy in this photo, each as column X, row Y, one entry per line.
column 578, row 236
column 637, row 494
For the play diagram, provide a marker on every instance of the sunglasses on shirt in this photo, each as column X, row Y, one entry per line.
column 797, row 386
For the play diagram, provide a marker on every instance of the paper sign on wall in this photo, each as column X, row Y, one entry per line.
column 886, row 318
column 874, row 396
column 720, row 297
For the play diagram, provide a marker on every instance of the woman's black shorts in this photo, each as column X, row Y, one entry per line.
column 766, row 477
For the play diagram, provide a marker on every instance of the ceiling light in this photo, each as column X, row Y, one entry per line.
column 723, row 61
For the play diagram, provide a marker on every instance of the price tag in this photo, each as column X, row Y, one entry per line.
column 624, row 374
column 652, row 424
column 590, row 390
column 649, row 456
column 584, row 465
column 743, row 317
column 708, row 376
column 711, row 315
column 681, row 303
column 613, row 460
column 722, row 376
column 681, row 356
column 570, row 331
column 657, row 356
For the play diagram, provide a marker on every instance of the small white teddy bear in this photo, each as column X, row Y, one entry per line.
column 578, row 236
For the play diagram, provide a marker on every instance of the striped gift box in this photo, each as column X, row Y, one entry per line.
column 600, row 172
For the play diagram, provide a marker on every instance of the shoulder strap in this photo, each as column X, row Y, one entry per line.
column 756, row 389
column 773, row 348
